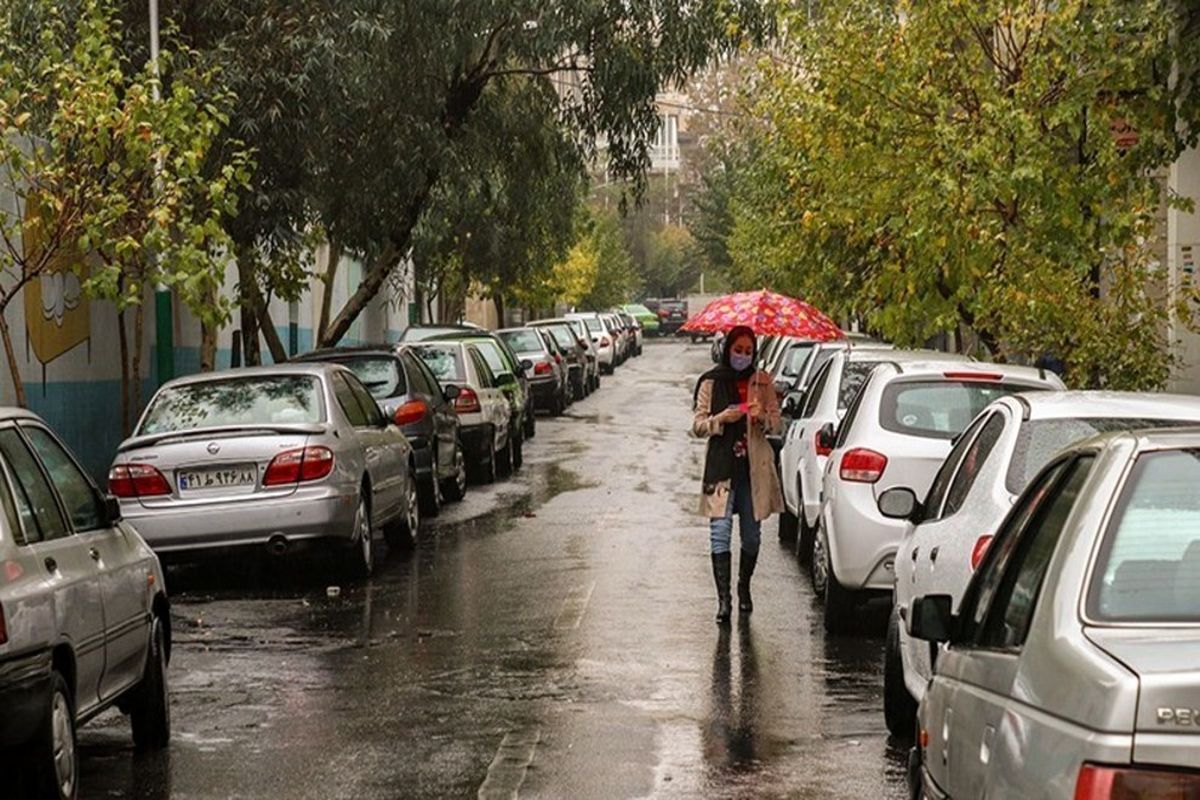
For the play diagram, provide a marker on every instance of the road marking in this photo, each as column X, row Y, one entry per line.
column 511, row 764
column 573, row 608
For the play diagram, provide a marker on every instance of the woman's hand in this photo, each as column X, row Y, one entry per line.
column 756, row 411
column 731, row 414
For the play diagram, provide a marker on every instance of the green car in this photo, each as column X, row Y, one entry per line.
column 643, row 315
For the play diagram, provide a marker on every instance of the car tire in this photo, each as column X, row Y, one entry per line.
column 899, row 707
column 518, row 453
column 360, row 556
column 454, row 488
column 558, row 405
column 805, row 535
column 840, row 603
column 504, row 459
column 53, row 759
column 430, row 493
column 487, row 468
column 787, row 526
column 401, row 533
column 150, row 706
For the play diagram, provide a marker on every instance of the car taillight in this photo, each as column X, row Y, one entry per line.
column 863, row 466
column 467, row 402
column 542, row 368
column 821, row 449
column 298, row 466
column 980, row 550
column 973, row 376
column 1117, row 783
column 410, row 412
column 137, row 480
column 605, row 342
column 663, row 313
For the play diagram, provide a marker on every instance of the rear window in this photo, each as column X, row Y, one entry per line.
column 267, row 400
column 380, row 374
column 564, row 337
column 492, row 355
column 1038, row 441
column 522, row 341
column 1149, row 564
column 795, row 359
column 444, row 362
column 594, row 325
column 938, row 409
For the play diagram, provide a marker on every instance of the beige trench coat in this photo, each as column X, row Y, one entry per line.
column 764, row 480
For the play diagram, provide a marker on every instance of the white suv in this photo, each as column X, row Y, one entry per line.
column 604, row 342
column 990, row 465
column 802, row 461
column 897, row 431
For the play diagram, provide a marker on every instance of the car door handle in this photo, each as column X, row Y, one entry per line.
column 95, row 554
column 915, row 552
column 933, row 554
column 51, row 565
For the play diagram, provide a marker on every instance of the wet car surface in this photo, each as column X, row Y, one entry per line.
column 552, row 636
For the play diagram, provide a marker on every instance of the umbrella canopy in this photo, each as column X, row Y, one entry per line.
column 766, row 313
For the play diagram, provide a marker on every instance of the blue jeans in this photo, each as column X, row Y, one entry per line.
column 741, row 502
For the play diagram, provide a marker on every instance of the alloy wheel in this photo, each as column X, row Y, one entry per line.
column 64, row 744
column 362, row 523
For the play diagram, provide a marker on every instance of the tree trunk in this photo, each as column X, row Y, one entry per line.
column 123, row 350
column 208, row 337
column 335, row 256
column 14, row 369
column 247, row 260
column 279, row 353
column 139, row 342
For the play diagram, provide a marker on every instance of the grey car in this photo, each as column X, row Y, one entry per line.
column 573, row 333
column 1072, row 669
column 549, row 384
column 84, row 619
column 268, row 457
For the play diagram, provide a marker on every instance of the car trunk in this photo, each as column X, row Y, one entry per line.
column 912, row 462
column 1167, row 663
column 226, row 465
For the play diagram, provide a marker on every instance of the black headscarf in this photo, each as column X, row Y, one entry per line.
column 718, row 463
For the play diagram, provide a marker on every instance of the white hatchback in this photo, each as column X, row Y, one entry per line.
column 897, row 432
column 802, row 461
column 991, row 464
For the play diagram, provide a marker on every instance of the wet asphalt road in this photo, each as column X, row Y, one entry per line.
column 551, row 637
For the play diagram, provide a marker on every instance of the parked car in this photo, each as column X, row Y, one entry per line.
column 802, row 459
column 897, row 431
column 484, row 410
column 593, row 352
column 820, row 354
column 411, row 396
column 269, row 457
column 634, row 327
column 1072, row 669
column 575, row 350
column 601, row 338
column 990, row 465
column 645, row 317
column 419, row 333
column 85, row 623
column 620, row 337
column 512, row 376
column 672, row 314
column 549, row 381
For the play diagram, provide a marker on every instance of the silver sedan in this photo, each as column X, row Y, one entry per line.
column 269, row 457
column 1073, row 667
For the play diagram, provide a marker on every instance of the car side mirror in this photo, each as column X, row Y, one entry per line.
column 931, row 618
column 827, row 437
column 525, row 365
column 112, row 509
column 900, row 502
column 451, row 392
column 791, row 406
column 506, row 378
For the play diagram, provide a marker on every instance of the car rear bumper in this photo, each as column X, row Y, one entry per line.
column 24, row 684
column 862, row 542
column 307, row 514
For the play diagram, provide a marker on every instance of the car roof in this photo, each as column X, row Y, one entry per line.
column 16, row 412
column 1076, row 404
column 857, row 354
column 935, row 367
column 314, row 369
column 349, row 350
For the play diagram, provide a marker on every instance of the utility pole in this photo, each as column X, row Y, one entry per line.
column 164, row 312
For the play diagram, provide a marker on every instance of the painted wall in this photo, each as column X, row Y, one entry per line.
column 1183, row 252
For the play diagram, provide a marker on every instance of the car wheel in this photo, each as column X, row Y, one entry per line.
column 558, row 405
column 805, row 534
column 518, row 453
column 504, row 459
column 817, row 574
column 899, row 707
column 487, row 469
column 401, row 533
column 53, row 753
column 431, row 493
column 150, row 709
column 455, row 487
column 787, row 526
column 530, row 423
column 840, row 603
column 361, row 555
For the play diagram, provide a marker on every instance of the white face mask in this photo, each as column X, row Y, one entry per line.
column 740, row 362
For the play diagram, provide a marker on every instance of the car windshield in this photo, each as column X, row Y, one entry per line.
column 938, row 409
column 579, row 328
column 263, row 400
column 1040, row 440
column 564, row 337
column 522, row 341
column 380, row 374
column 796, row 357
column 492, row 355
column 445, row 361
column 1149, row 564
column 594, row 325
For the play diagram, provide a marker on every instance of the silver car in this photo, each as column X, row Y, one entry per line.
column 991, row 463
column 1073, row 667
column 84, row 619
column 270, row 457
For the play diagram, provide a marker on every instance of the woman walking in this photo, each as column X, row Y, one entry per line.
column 735, row 407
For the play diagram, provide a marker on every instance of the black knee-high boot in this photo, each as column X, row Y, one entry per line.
column 722, row 564
column 745, row 569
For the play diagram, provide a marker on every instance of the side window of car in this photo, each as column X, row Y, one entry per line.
column 851, row 414
column 813, row 398
column 1000, row 610
column 945, row 474
column 35, row 500
column 368, row 404
column 486, row 377
column 974, row 459
column 354, row 412
column 417, row 378
column 82, row 500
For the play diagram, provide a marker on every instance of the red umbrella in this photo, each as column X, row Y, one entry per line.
column 766, row 313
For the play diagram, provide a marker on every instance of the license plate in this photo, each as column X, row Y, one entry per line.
column 217, row 477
